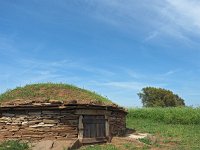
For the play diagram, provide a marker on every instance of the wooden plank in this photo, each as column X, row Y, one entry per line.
column 94, row 121
column 98, row 132
column 93, row 130
column 93, row 112
column 80, row 127
column 86, row 131
column 107, row 126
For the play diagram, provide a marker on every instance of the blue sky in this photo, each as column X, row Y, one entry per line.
column 113, row 47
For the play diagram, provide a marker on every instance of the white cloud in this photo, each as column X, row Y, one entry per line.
column 65, row 64
column 152, row 35
column 125, row 85
column 169, row 73
column 176, row 19
column 179, row 19
column 186, row 13
column 131, row 73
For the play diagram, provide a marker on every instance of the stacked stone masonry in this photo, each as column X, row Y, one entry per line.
column 117, row 123
column 39, row 124
column 44, row 123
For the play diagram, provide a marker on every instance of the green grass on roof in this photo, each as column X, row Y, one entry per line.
column 56, row 91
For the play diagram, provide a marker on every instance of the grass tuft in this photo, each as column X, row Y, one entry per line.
column 14, row 145
column 100, row 147
column 146, row 141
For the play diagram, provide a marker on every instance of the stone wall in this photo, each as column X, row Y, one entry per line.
column 38, row 124
column 117, row 121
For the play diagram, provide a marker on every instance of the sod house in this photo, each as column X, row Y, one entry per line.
column 59, row 111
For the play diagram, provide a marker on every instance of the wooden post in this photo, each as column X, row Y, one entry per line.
column 107, row 128
column 80, row 128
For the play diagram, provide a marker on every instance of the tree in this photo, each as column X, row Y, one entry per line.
column 158, row 97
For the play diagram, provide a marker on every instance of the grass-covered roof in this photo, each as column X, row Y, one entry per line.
column 45, row 92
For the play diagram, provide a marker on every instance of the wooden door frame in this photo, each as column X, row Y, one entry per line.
column 93, row 112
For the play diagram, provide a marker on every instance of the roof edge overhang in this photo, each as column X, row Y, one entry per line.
column 62, row 106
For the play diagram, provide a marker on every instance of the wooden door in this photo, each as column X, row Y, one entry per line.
column 94, row 128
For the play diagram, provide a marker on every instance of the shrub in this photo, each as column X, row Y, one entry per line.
column 158, row 97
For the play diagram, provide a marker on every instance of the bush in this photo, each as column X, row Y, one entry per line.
column 158, row 97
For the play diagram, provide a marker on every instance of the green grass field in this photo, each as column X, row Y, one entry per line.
column 171, row 115
column 172, row 128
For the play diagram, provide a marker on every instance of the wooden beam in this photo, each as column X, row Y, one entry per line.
column 80, row 128
column 92, row 112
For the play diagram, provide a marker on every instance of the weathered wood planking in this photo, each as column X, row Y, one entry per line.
column 94, row 126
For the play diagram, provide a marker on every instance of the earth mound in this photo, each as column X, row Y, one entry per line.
column 53, row 93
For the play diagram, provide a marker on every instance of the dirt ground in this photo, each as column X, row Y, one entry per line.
column 124, row 143
column 132, row 141
column 52, row 145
